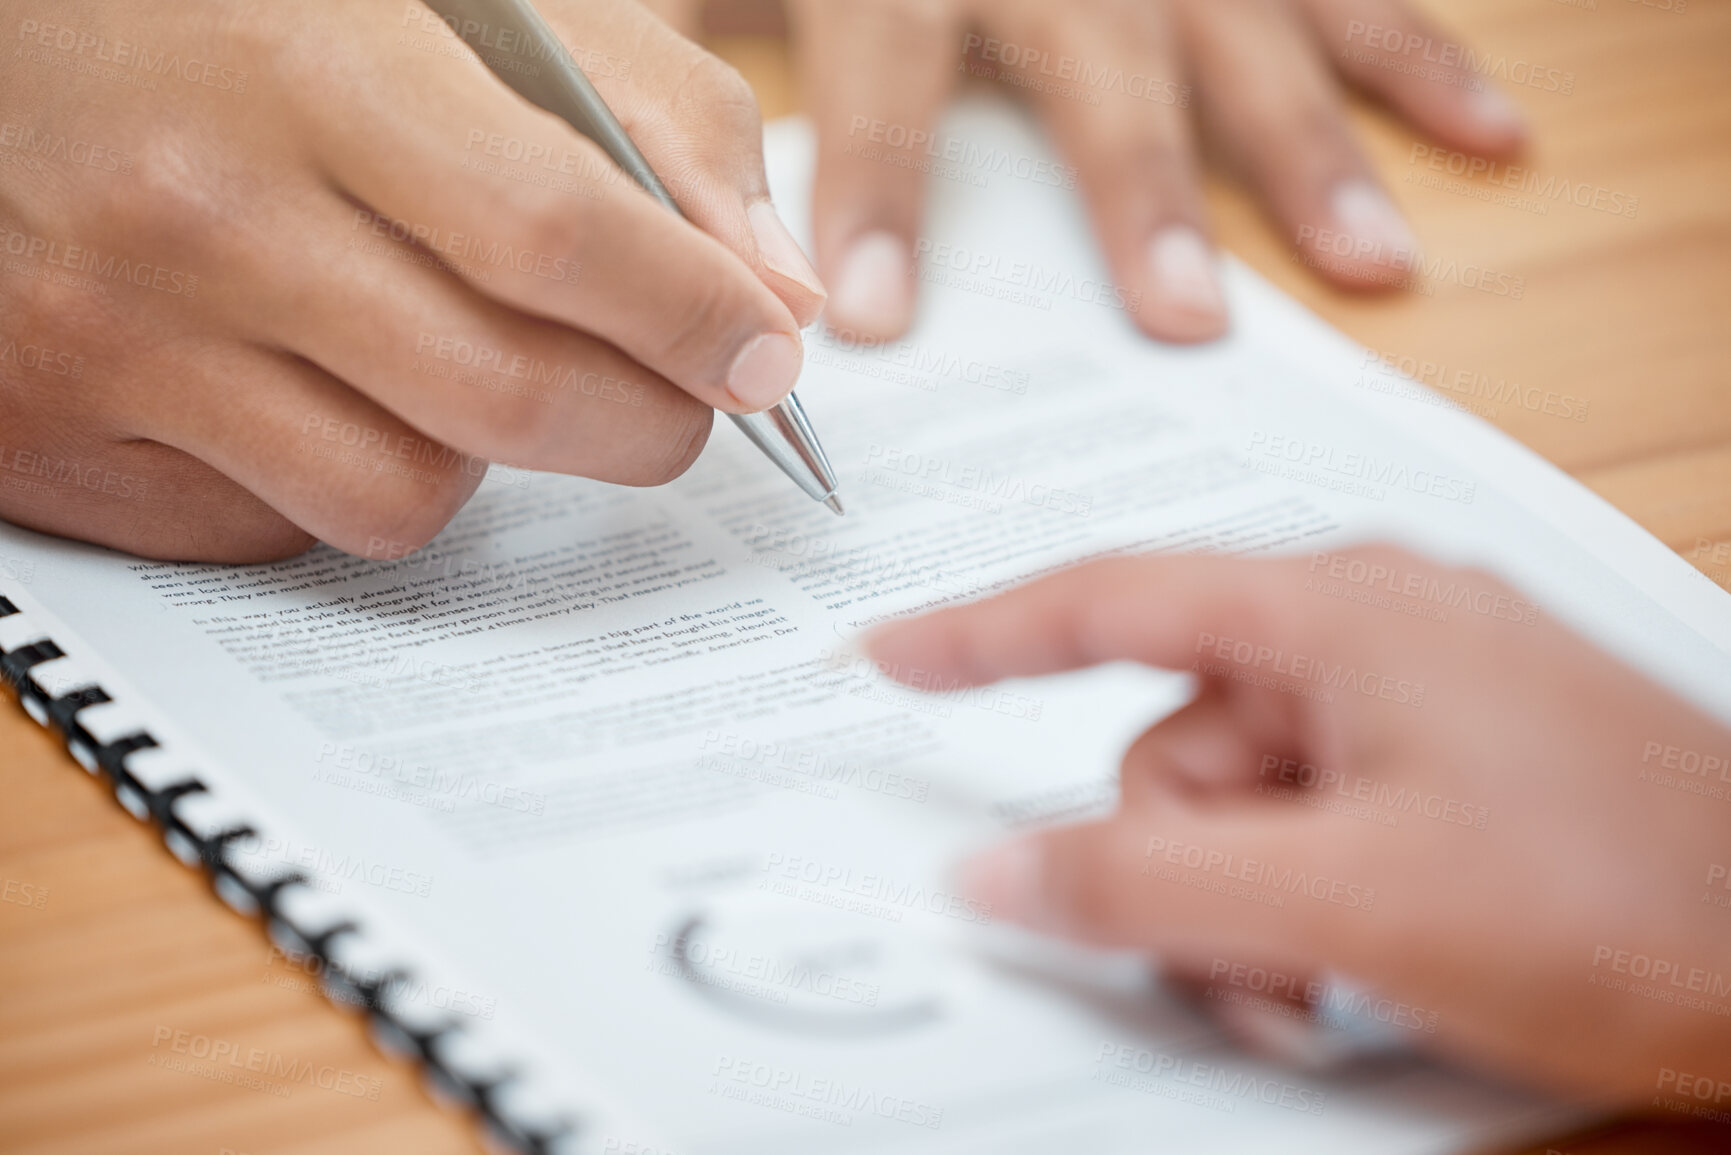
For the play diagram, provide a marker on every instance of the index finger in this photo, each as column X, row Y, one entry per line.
column 442, row 149
column 1163, row 611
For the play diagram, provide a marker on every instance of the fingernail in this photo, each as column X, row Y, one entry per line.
column 1006, row 881
column 765, row 371
column 1494, row 110
column 872, row 292
column 1363, row 212
column 1186, row 290
column 1293, row 1042
column 782, row 254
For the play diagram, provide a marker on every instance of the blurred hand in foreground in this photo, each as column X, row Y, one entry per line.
column 1482, row 819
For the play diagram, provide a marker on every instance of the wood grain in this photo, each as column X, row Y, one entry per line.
column 1632, row 316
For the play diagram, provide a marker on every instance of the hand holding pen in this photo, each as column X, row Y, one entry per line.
column 365, row 276
column 560, row 86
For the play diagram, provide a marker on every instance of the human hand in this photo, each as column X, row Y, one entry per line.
column 1114, row 80
column 1536, row 900
column 300, row 270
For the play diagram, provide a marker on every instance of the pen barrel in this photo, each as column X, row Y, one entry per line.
column 557, row 85
column 786, row 438
column 783, row 433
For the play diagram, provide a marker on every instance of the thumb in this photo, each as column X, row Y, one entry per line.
column 1252, row 882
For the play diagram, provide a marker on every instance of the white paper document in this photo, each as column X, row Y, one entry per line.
column 601, row 768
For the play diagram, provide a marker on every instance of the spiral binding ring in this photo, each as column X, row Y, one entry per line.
column 348, row 990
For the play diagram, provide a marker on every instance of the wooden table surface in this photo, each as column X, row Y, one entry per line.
column 116, row 942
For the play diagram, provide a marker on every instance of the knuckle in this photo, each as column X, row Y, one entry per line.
column 511, row 427
column 400, row 518
column 383, row 506
column 712, row 130
column 63, row 316
column 717, row 95
column 270, row 537
column 548, row 227
column 1149, row 163
column 707, row 327
column 551, row 232
column 677, row 443
column 224, row 524
column 165, row 204
column 1158, row 155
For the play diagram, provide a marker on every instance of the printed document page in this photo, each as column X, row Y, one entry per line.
column 605, row 771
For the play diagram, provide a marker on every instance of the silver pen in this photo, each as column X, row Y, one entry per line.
column 783, row 432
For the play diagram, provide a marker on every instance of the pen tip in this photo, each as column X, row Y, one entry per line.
column 834, row 503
